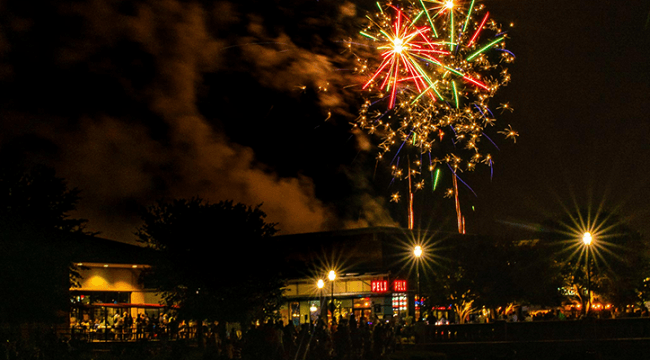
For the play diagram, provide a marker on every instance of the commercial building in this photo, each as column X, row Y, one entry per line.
column 110, row 281
column 375, row 274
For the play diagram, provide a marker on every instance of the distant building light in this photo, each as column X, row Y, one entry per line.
column 106, row 265
column 134, row 266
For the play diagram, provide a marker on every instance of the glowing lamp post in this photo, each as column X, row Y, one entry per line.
column 586, row 239
column 332, row 277
column 418, row 253
column 320, row 284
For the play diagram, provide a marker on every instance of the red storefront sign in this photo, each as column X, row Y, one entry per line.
column 399, row 286
column 379, row 285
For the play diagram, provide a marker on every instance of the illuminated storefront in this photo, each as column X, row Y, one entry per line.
column 399, row 295
column 372, row 276
column 110, row 284
column 371, row 296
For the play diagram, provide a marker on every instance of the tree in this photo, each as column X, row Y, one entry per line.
column 215, row 261
column 475, row 272
column 35, row 227
column 493, row 272
column 619, row 257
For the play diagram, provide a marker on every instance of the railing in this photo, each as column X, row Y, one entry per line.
column 112, row 334
column 589, row 329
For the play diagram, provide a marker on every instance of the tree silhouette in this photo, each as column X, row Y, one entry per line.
column 35, row 230
column 215, row 261
column 492, row 272
column 619, row 257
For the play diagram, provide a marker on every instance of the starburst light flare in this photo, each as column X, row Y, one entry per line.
column 435, row 67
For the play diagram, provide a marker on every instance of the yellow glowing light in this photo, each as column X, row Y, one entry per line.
column 397, row 45
column 105, row 265
column 313, row 308
column 418, row 251
column 98, row 282
column 331, row 275
column 449, row 4
column 320, row 283
column 586, row 238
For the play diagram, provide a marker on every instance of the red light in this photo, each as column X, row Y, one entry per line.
column 379, row 285
column 399, row 286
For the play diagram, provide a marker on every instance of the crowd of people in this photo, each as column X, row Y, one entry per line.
column 343, row 338
column 349, row 339
column 125, row 327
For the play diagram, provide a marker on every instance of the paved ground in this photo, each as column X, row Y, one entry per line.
column 615, row 349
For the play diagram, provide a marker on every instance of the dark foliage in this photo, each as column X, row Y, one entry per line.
column 213, row 260
column 35, row 227
column 476, row 271
column 619, row 256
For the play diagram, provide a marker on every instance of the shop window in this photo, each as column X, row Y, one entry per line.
column 294, row 311
column 362, row 303
column 99, row 297
column 399, row 304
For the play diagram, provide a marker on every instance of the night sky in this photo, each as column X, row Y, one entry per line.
column 136, row 101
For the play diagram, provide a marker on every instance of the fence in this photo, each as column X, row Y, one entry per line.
column 588, row 329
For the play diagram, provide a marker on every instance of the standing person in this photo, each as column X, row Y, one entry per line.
column 353, row 322
column 172, row 327
column 341, row 340
column 355, row 337
column 289, row 339
column 322, row 348
column 279, row 327
column 272, row 340
column 366, row 339
column 378, row 340
column 119, row 327
column 230, row 344
column 254, row 345
column 128, row 324
column 150, row 326
column 139, row 324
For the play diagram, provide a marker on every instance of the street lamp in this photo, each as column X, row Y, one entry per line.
column 332, row 277
column 418, row 253
column 320, row 284
column 586, row 239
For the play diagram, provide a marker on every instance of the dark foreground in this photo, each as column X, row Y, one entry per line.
column 616, row 349
column 613, row 349
column 619, row 339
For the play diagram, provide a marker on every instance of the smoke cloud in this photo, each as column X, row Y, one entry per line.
column 132, row 102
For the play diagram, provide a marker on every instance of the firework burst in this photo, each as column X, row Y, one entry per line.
column 427, row 91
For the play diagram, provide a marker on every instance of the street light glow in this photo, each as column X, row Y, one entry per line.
column 332, row 275
column 586, row 238
column 417, row 251
column 320, row 283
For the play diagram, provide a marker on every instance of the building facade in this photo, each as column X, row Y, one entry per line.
column 110, row 283
column 375, row 274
